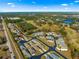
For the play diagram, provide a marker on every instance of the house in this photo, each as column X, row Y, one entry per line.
column 13, row 18
column 22, row 41
column 49, row 37
column 30, row 49
column 21, row 38
column 38, row 34
column 61, row 45
column 25, row 52
column 54, row 56
column 16, row 38
column 49, row 33
column 1, row 27
column 47, row 57
column 10, row 25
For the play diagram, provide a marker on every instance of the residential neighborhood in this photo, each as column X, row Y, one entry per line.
column 43, row 37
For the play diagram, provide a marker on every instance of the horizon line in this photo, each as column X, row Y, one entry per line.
column 38, row 11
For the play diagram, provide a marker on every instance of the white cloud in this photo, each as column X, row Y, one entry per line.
column 66, row 8
column 71, row 3
column 64, row 4
column 33, row 2
column 77, row 1
column 45, row 7
column 11, row 4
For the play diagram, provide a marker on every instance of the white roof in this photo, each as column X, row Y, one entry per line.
column 38, row 33
column 61, row 43
column 13, row 18
column 49, row 33
column 49, row 37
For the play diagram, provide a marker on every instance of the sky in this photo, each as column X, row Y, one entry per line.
column 39, row 5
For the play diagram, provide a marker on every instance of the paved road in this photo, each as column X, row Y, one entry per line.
column 13, row 44
column 50, row 49
column 8, row 42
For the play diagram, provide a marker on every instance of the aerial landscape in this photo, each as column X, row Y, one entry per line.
column 39, row 29
column 39, row 36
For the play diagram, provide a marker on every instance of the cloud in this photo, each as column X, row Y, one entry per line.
column 45, row 7
column 71, row 3
column 33, row 2
column 77, row 1
column 66, row 8
column 11, row 4
column 64, row 4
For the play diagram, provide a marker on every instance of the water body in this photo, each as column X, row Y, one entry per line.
column 68, row 21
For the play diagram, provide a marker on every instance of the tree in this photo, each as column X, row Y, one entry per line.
column 5, row 48
column 2, row 40
column 63, row 32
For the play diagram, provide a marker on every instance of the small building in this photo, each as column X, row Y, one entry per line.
column 16, row 38
column 49, row 33
column 47, row 57
column 22, row 41
column 10, row 25
column 1, row 27
column 54, row 56
column 49, row 37
column 21, row 38
column 30, row 49
column 13, row 18
column 38, row 34
column 61, row 45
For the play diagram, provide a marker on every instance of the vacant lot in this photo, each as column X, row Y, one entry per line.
column 73, row 38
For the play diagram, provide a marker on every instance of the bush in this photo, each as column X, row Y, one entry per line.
column 2, row 40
